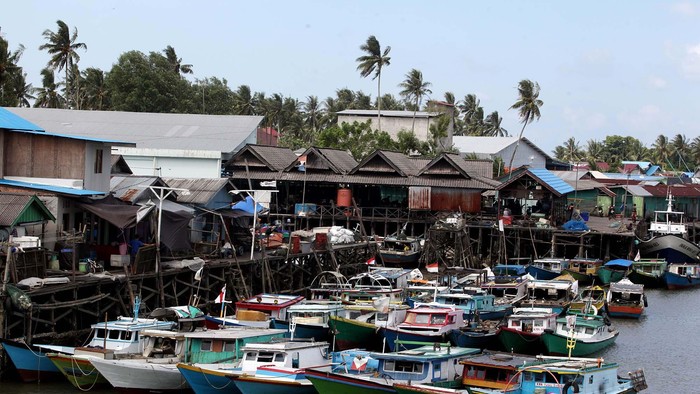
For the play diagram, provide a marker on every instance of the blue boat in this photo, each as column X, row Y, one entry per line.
column 475, row 336
column 546, row 269
column 423, row 324
column 681, row 276
column 31, row 362
column 309, row 319
column 478, row 303
column 614, row 271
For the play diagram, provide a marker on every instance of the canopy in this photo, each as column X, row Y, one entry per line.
column 247, row 205
column 120, row 214
column 620, row 262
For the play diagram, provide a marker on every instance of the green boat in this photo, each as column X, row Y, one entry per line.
column 79, row 370
column 648, row 272
column 614, row 271
column 580, row 334
column 359, row 325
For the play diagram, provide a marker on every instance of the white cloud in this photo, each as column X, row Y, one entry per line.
column 657, row 82
column 684, row 8
column 647, row 117
column 691, row 62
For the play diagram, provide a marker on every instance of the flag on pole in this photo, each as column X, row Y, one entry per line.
column 570, row 321
column 638, row 256
column 432, row 267
column 222, row 296
column 198, row 274
column 372, row 260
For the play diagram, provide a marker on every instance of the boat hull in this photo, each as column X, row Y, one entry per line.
column 392, row 335
column 142, row 376
column 634, row 312
column 606, row 275
column 478, row 340
column 540, row 273
column 672, row 248
column 583, row 279
column 208, row 382
column 400, row 260
column 274, row 385
column 646, row 279
column 520, row 342
column 79, row 371
column 675, row 281
column 318, row 333
column 556, row 345
column 31, row 362
column 214, row 323
column 330, row 383
column 351, row 334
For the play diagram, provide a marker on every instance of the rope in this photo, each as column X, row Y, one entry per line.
column 210, row 383
column 74, row 362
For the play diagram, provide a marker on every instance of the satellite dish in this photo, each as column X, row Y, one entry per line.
column 4, row 234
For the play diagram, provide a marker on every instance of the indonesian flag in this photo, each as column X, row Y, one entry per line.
column 371, row 261
column 222, row 296
column 359, row 363
column 432, row 267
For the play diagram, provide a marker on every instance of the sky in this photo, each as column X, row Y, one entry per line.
column 624, row 67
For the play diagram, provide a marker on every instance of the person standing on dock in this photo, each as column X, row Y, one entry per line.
column 135, row 244
column 611, row 212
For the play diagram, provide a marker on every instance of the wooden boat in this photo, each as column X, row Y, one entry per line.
column 256, row 311
column 31, row 362
column 309, row 319
column 423, row 324
column 626, row 299
column 400, row 251
column 546, row 269
column 508, row 291
column 216, row 377
column 584, row 270
column 359, row 325
column 589, row 296
column 431, row 363
column 587, row 334
column 552, row 293
column 681, row 276
column 478, row 302
column 614, row 271
column 478, row 334
column 648, row 272
column 522, row 331
column 668, row 237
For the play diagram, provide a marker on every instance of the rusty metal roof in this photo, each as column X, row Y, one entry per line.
column 133, row 188
column 201, row 190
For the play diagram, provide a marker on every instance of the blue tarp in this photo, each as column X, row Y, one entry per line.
column 575, row 225
column 247, row 205
column 620, row 262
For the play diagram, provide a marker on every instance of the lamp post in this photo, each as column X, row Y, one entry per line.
column 161, row 193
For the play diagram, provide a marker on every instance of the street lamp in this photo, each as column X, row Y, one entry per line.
column 162, row 192
column 251, row 193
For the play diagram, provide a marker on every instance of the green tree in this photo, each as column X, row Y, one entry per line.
column 681, row 152
column 695, row 152
column 391, row 103
column 48, row 95
column 413, row 90
column 662, row 150
column 215, row 96
column 95, row 89
column 371, row 63
column 21, row 89
column 62, row 47
column 175, row 62
column 357, row 138
column 528, row 106
column 493, row 125
column 244, row 102
column 313, row 115
column 10, row 71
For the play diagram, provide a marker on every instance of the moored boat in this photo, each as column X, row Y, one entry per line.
column 359, row 325
column 256, row 311
column 522, row 331
column 579, row 335
column 648, row 272
column 554, row 293
column 584, row 270
column 681, row 276
column 589, row 296
column 626, row 299
column 31, row 362
column 614, row 270
column 546, row 269
column 400, row 251
column 309, row 319
column 423, row 324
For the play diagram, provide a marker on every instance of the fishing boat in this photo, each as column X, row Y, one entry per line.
column 31, row 362
column 111, row 339
column 477, row 302
column 546, row 269
column 309, row 319
column 681, row 276
column 614, row 271
column 584, row 270
column 359, row 324
column 589, row 296
column 256, row 311
column 508, row 291
column 211, row 377
column 478, row 334
column 522, row 331
column 648, row 272
column 579, row 334
column 668, row 237
column 429, row 363
column 400, row 251
column 626, row 299
column 423, row 324
column 554, row 293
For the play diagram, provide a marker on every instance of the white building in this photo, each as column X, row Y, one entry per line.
column 392, row 121
column 492, row 147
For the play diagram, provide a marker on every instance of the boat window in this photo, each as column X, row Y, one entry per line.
column 437, row 319
column 229, row 346
column 538, row 323
column 515, row 323
column 528, row 376
column 590, row 380
column 421, row 319
column 205, row 346
column 127, row 335
column 279, row 357
column 250, row 356
column 549, row 379
column 403, row 366
column 100, row 333
column 113, row 334
column 265, row 357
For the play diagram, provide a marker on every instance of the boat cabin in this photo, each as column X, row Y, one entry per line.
column 508, row 292
column 273, row 305
column 493, row 370
column 284, row 353
column 532, row 320
column 550, row 376
column 423, row 364
column 556, row 294
column 121, row 336
column 226, row 344
column 431, row 320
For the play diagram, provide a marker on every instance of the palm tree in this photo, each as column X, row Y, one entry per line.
column 528, row 106
column 22, row 89
column 493, row 125
column 662, row 150
column 695, row 151
column 48, row 95
column 681, row 149
column 62, row 47
column 313, row 114
column 243, row 101
column 95, row 90
column 176, row 62
column 8, row 60
column 414, row 89
column 372, row 62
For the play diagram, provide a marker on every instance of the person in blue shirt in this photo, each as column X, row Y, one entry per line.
column 135, row 245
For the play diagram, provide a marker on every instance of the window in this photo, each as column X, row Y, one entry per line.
column 589, row 330
column 265, row 357
column 279, row 357
column 250, row 356
column 403, row 366
column 100, row 333
column 230, row 346
column 113, row 334
column 205, row 346
column 127, row 335
column 98, row 161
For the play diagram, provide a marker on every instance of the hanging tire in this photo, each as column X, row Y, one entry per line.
column 568, row 385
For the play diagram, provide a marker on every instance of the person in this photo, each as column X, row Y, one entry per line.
column 570, row 211
column 135, row 245
column 611, row 212
column 634, row 213
column 227, row 250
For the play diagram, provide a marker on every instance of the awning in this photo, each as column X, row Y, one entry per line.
column 118, row 213
column 620, row 263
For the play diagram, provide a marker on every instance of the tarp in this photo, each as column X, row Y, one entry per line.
column 174, row 228
column 118, row 213
column 620, row 262
column 247, row 206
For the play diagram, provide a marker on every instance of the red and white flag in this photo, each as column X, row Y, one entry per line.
column 638, row 256
column 222, row 296
column 371, row 261
column 432, row 267
column 359, row 363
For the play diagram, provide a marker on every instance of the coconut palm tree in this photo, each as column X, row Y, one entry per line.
column 95, row 89
column 244, row 102
column 528, row 106
column 414, row 89
column 695, row 151
column 313, row 113
column 48, row 95
column 372, row 62
column 176, row 62
column 8, row 60
column 62, row 47
column 493, row 125
column 661, row 150
column 22, row 89
column 681, row 150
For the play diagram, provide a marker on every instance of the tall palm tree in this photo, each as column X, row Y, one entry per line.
column 22, row 89
column 681, row 150
column 95, row 89
column 313, row 114
column 372, row 62
column 662, row 150
column 414, row 89
column 48, row 95
column 8, row 60
column 528, row 106
column 62, row 47
column 176, row 62
column 493, row 125
column 695, row 151
column 243, row 101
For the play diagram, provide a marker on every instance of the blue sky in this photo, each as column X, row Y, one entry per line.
column 604, row 67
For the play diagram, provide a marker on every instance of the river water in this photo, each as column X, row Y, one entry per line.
column 662, row 342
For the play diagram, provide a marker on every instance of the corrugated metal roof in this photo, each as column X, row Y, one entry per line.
column 201, row 190
column 222, row 133
column 11, row 121
column 552, row 180
column 489, row 145
column 273, row 158
column 132, row 188
column 388, row 114
column 51, row 188
column 22, row 208
column 76, row 137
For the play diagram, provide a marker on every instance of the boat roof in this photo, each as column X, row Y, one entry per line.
column 125, row 323
column 266, row 301
column 620, row 262
column 163, row 333
column 427, row 353
column 508, row 360
column 550, row 284
column 573, row 365
column 532, row 311
column 285, row 345
column 626, row 285
column 316, row 305
column 234, row 333
column 587, row 321
column 426, row 309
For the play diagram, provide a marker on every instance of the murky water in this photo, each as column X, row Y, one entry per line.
column 663, row 343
